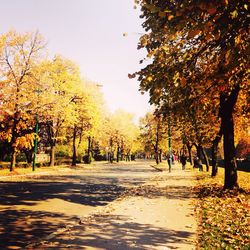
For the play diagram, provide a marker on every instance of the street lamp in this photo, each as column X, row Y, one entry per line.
column 35, row 144
column 169, row 147
column 167, row 114
column 36, row 136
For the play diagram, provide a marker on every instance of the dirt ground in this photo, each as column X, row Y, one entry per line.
column 118, row 206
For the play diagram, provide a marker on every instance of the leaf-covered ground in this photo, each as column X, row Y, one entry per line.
column 224, row 215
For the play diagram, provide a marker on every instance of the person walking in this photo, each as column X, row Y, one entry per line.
column 183, row 160
column 170, row 160
column 198, row 163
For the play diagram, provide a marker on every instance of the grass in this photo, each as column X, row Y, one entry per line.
column 20, row 170
column 224, row 215
column 28, row 170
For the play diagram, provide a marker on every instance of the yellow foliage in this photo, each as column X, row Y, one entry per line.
column 25, row 142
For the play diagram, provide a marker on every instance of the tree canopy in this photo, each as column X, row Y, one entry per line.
column 199, row 61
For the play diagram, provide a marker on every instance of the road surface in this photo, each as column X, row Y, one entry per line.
column 33, row 207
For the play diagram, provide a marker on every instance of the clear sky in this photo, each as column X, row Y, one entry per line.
column 89, row 32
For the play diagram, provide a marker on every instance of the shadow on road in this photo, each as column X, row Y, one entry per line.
column 18, row 228
column 169, row 192
column 29, row 193
column 117, row 232
column 96, row 187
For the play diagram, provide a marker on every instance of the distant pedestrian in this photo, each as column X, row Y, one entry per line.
column 170, row 160
column 183, row 160
column 197, row 163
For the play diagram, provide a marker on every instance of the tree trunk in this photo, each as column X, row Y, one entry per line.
column 13, row 140
column 205, row 158
column 118, row 153
column 122, row 154
column 128, row 155
column 156, row 153
column 198, row 150
column 29, row 155
column 74, row 147
column 52, row 142
column 189, row 147
column 111, row 149
column 13, row 159
column 52, row 154
column 156, row 146
column 89, row 150
column 111, row 156
column 227, row 103
column 214, row 153
column 199, row 153
column 122, row 151
column 157, row 158
column 160, row 155
column 230, row 165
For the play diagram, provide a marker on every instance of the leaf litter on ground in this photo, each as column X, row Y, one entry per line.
column 224, row 215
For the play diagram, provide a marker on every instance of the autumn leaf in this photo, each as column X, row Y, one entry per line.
column 131, row 76
column 183, row 81
column 212, row 11
column 152, row 8
column 234, row 14
column 149, row 78
column 193, row 33
column 170, row 17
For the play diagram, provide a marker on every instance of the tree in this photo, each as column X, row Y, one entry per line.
column 153, row 133
column 120, row 135
column 62, row 78
column 198, row 49
column 19, row 55
column 89, row 110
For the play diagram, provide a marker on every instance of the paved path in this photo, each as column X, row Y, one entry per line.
column 125, row 206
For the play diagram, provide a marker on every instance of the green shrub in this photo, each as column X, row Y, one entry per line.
column 63, row 151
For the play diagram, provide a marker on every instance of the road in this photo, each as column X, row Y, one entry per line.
column 33, row 207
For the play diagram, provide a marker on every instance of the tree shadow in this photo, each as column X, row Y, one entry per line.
column 29, row 193
column 21, row 225
column 18, row 228
column 117, row 232
column 218, row 191
column 88, row 188
column 169, row 192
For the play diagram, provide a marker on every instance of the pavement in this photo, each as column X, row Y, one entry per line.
column 157, row 214
column 132, row 206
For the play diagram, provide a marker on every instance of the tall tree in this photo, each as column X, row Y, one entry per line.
column 198, row 49
column 19, row 56
column 154, row 133
column 121, row 135
column 89, row 110
column 62, row 78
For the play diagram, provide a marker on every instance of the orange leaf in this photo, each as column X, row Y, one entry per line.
column 193, row 33
column 170, row 17
column 212, row 11
column 183, row 81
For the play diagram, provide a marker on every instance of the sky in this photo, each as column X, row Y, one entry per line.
column 90, row 33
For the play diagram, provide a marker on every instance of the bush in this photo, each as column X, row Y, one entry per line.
column 21, row 157
column 63, row 151
column 87, row 159
column 100, row 158
column 61, row 154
